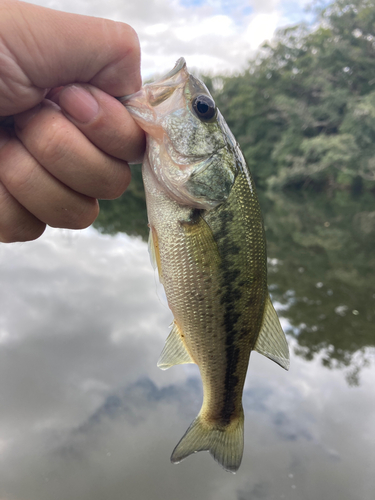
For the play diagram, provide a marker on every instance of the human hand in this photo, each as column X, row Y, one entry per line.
column 69, row 144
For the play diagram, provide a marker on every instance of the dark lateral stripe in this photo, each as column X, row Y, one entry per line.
column 231, row 294
column 230, row 384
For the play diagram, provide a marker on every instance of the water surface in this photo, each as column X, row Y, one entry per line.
column 86, row 414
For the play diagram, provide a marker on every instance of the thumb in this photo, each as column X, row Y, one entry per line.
column 42, row 48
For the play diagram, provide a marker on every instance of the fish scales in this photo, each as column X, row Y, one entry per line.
column 207, row 241
column 241, row 305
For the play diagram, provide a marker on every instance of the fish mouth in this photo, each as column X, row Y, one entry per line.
column 159, row 90
column 157, row 98
column 180, row 64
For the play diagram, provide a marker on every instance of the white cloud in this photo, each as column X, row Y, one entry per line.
column 213, row 35
column 156, row 29
column 261, row 27
column 209, row 26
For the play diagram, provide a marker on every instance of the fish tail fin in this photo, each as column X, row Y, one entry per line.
column 225, row 443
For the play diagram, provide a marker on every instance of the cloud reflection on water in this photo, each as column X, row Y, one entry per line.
column 85, row 413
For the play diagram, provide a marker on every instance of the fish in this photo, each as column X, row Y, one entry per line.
column 207, row 241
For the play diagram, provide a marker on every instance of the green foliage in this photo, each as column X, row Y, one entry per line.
column 304, row 115
column 128, row 213
column 304, row 110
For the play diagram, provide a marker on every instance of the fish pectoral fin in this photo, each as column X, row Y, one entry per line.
column 153, row 249
column 224, row 444
column 174, row 352
column 199, row 236
column 271, row 341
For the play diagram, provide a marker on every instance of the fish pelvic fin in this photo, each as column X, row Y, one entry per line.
column 225, row 444
column 271, row 341
column 174, row 352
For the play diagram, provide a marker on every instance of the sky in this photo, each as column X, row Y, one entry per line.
column 216, row 36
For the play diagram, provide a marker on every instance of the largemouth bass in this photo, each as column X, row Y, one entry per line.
column 208, row 244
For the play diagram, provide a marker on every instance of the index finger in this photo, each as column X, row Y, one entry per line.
column 41, row 48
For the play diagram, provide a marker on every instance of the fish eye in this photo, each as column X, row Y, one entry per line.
column 204, row 107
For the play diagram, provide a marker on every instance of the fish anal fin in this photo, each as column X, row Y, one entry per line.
column 153, row 248
column 174, row 352
column 224, row 444
column 271, row 341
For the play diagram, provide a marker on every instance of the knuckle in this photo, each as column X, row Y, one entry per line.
column 128, row 38
column 129, row 55
column 80, row 216
column 114, row 185
column 87, row 216
column 19, row 179
column 32, row 232
column 53, row 146
column 137, row 146
column 16, row 168
column 7, row 235
column 21, row 232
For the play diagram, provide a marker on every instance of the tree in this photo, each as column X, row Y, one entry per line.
column 303, row 112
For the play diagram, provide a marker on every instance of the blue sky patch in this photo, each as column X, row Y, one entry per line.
column 232, row 8
column 192, row 3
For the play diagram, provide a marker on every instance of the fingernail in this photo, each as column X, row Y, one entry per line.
column 78, row 103
column 22, row 119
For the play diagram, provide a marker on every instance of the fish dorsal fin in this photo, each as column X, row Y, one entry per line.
column 153, row 249
column 271, row 341
column 174, row 352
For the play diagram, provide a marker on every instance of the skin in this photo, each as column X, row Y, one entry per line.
column 65, row 141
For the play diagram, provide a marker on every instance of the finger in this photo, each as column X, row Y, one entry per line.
column 45, row 48
column 104, row 120
column 40, row 193
column 16, row 223
column 68, row 155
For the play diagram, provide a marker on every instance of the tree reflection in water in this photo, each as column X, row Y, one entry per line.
column 321, row 266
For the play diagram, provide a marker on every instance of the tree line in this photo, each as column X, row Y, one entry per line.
column 304, row 110
column 304, row 115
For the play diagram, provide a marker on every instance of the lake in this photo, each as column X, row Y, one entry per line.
column 87, row 415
